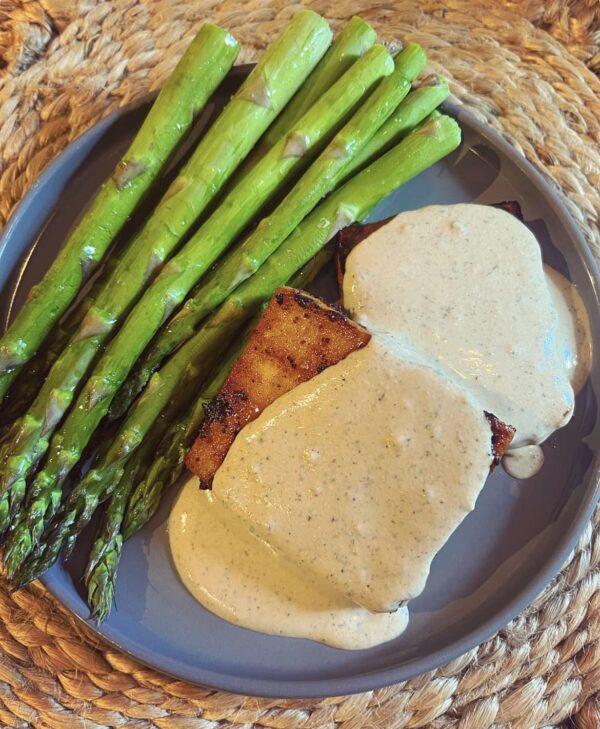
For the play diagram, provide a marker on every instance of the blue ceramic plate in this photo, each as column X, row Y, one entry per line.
column 499, row 559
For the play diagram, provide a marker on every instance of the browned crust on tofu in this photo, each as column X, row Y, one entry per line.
column 510, row 206
column 297, row 337
column 502, row 435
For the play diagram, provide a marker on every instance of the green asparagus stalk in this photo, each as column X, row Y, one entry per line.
column 202, row 68
column 321, row 178
column 100, row 579
column 167, row 464
column 354, row 40
column 101, row 570
column 264, row 93
column 171, row 286
column 5, row 517
column 24, row 390
column 412, row 111
column 10, row 522
column 350, row 203
column 27, row 385
column 304, row 276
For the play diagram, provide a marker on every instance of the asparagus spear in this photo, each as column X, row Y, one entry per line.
column 167, row 463
column 264, row 93
column 27, row 383
column 101, row 570
column 23, row 392
column 100, row 576
column 350, row 203
column 204, row 65
column 320, row 179
column 354, row 40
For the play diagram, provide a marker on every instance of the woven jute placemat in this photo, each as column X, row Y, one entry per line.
column 520, row 66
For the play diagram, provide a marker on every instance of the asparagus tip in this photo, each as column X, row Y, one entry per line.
column 16, row 551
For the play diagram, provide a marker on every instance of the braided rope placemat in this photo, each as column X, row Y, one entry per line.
column 67, row 64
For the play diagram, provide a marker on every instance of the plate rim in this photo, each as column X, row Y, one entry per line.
column 369, row 680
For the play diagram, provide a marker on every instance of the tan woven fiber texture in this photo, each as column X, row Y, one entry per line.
column 521, row 66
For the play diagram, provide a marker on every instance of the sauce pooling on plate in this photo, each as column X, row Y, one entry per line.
column 240, row 578
column 329, row 507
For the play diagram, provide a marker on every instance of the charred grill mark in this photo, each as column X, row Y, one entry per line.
column 334, row 315
column 332, row 311
column 303, row 300
column 340, row 309
column 217, row 410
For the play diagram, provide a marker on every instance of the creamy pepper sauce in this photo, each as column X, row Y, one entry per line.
column 465, row 285
column 329, row 508
column 242, row 579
